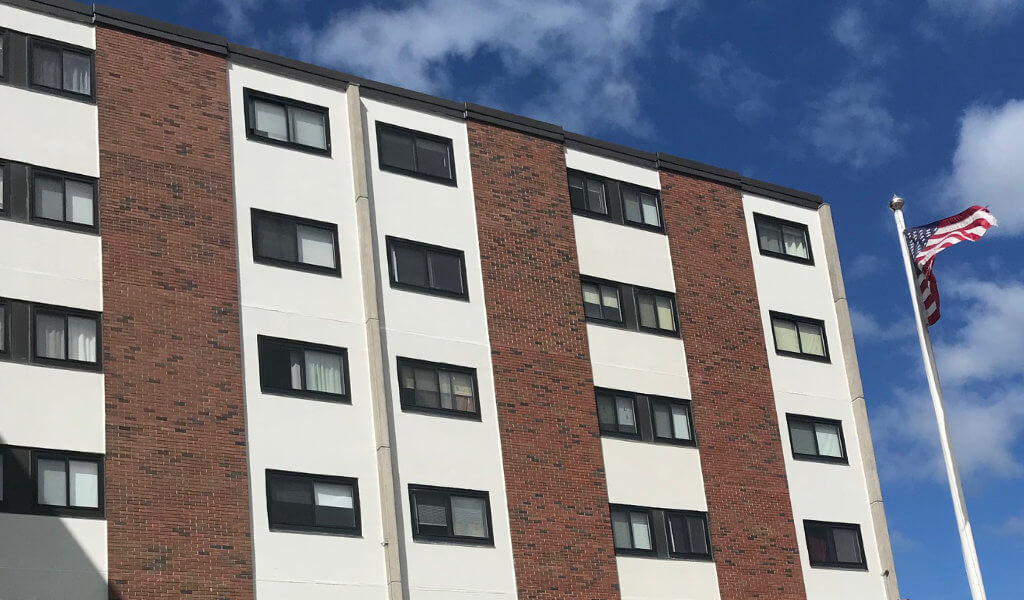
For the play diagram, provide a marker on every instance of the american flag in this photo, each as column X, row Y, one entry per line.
column 928, row 240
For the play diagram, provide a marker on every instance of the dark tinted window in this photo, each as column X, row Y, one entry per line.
column 834, row 545
column 296, row 243
column 601, row 302
column 61, row 69
column 287, row 122
column 656, row 310
column 641, row 206
column 783, row 239
column 816, row 439
column 67, row 336
column 301, row 502
column 616, row 413
column 688, row 534
column 427, row 268
column 631, row 530
column 442, row 514
column 415, row 153
column 588, row 194
column 64, row 200
column 303, row 369
column 434, row 387
column 672, row 420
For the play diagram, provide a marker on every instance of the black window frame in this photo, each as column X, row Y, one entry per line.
column 830, row 551
column 311, row 479
column 762, row 220
column 796, row 418
column 583, row 210
column 617, row 431
column 414, row 134
column 651, row 527
column 61, row 47
column 65, row 312
column 344, row 398
column 640, row 224
column 250, row 95
column 615, row 203
column 450, row 537
column 297, row 265
column 437, row 367
column 773, row 315
column 674, row 441
column 5, row 328
column 587, row 280
column 5, row 180
column 687, row 514
column 643, row 414
column 68, row 510
column 395, row 242
column 674, row 332
column 659, row 524
column 64, row 176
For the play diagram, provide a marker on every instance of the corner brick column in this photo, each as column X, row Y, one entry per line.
column 551, row 448
column 749, row 509
column 177, row 498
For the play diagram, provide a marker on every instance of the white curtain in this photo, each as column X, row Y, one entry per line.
column 595, row 196
column 82, row 339
column 771, row 238
column 316, row 246
column 53, row 489
column 79, row 200
column 333, row 495
column 810, row 340
column 49, row 198
column 796, row 243
column 786, row 335
column 648, row 317
column 650, row 209
column 620, row 530
column 641, row 531
column 77, row 73
column 50, row 336
column 1, row 171
column 308, row 127
column 296, row 369
column 680, row 422
column 46, row 67
column 631, row 201
column 828, row 440
column 662, row 421
column 323, row 372
column 85, row 484
column 469, row 517
column 271, row 120
column 665, row 320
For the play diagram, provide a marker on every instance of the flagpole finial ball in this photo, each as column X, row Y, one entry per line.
column 896, row 203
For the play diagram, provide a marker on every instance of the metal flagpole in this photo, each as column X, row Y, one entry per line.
column 952, row 472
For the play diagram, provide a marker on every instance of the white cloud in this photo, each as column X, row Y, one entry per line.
column 869, row 330
column 991, row 342
column 237, row 16
column 851, row 30
column 723, row 78
column 578, row 59
column 862, row 266
column 987, row 163
column 851, row 125
column 978, row 12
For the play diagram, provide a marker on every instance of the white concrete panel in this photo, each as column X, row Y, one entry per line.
column 54, row 557
column 673, row 479
column 47, row 407
column 653, row 579
column 62, row 267
column 615, row 169
column 623, row 254
column 638, row 362
column 49, row 131
column 33, row 23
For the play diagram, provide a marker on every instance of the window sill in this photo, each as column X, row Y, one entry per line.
column 447, row 541
column 807, row 357
column 442, row 412
column 313, row 530
column 82, row 98
column 67, row 365
column 324, row 152
column 833, row 567
column 322, row 396
column 822, row 459
column 93, row 514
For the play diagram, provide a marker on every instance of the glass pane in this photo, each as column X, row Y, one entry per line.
column 620, row 529
column 662, row 420
column 847, row 545
column 645, row 304
column 828, row 440
column 577, row 195
column 77, row 73
column 641, row 531
column 770, row 238
column 410, row 266
column 270, row 120
column 446, row 272
column 462, row 389
column 308, row 127
column 698, row 538
column 469, row 517
column 445, row 380
column 680, row 537
column 50, row 336
column 427, row 392
column 396, row 150
column 811, row 341
column 631, row 203
column 610, row 302
column 49, row 198
column 291, row 502
column 664, row 308
column 795, row 241
column 432, row 158
column 85, row 484
column 276, row 366
column 407, row 378
column 606, row 412
column 785, row 335
column 46, row 67
column 296, row 361
column 324, row 372
column 595, row 197
column 82, row 339
column 817, row 543
column 431, row 510
column 79, row 198
column 335, row 504
column 316, row 246
column 801, row 435
column 3, row 348
column 1, row 165
column 681, row 422
column 624, row 414
column 649, row 205
column 275, row 238
column 592, row 301
column 53, row 489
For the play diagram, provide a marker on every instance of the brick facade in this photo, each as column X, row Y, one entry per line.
column 554, row 471
column 749, row 509
column 177, row 501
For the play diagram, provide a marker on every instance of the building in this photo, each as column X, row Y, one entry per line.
column 274, row 331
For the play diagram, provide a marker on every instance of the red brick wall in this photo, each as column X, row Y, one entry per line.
column 750, row 513
column 554, row 472
column 177, row 501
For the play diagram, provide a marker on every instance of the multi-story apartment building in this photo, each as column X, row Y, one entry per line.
column 273, row 331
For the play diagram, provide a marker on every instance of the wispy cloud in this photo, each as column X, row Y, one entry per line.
column 851, row 125
column 978, row 12
column 851, row 30
column 868, row 329
column 863, row 265
column 724, row 78
column 991, row 342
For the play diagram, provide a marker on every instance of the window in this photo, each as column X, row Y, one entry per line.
column 799, row 336
column 3, row 327
column 427, row 268
column 66, row 337
column 37, row 481
column 64, row 199
column 688, row 534
column 816, row 439
column 439, row 388
column 287, row 122
column 672, row 422
column 303, row 369
column 301, row 502
column 631, row 530
column 641, row 207
column 415, row 153
column 783, row 239
column 295, row 243
column 450, row 515
column 834, row 545
column 67, row 482
column 656, row 310
column 616, row 413
column 61, row 69
column 643, row 417
column 601, row 302
column 587, row 194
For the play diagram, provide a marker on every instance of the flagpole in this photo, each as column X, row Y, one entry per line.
column 952, row 472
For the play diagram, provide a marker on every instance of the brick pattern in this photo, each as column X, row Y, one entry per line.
column 177, row 501
column 750, row 512
column 551, row 449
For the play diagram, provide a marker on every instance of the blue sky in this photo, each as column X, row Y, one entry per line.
column 850, row 100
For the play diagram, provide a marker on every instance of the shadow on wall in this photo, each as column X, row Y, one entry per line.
column 47, row 556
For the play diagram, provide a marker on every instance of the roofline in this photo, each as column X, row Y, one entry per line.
column 330, row 78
